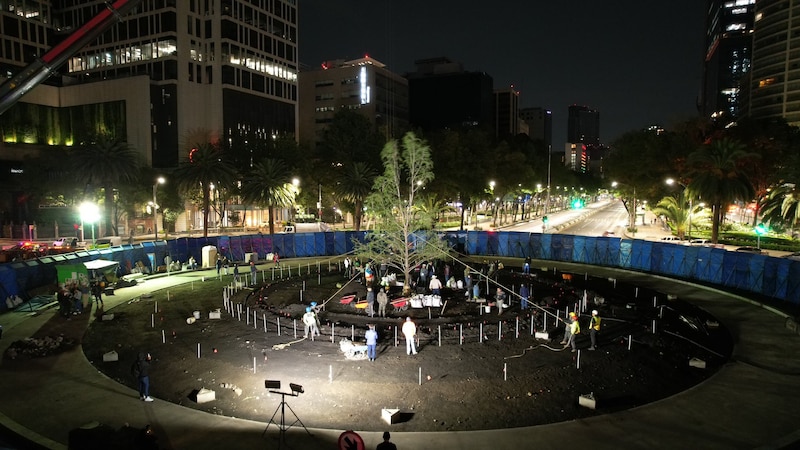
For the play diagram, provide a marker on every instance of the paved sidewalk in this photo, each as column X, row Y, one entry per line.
column 751, row 402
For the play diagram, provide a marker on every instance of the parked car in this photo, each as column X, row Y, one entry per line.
column 23, row 251
column 700, row 242
column 670, row 238
column 65, row 242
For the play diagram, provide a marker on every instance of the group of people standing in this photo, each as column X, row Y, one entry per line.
column 573, row 329
column 72, row 295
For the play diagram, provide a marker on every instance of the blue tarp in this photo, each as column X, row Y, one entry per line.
column 774, row 277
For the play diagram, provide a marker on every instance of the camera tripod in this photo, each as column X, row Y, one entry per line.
column 282, row 427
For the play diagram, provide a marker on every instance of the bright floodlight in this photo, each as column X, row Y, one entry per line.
column 89, row 212
column 272, row 384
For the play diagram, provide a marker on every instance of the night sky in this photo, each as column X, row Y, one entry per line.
column 637, row 62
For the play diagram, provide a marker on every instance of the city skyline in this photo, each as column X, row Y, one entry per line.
column 637, row 64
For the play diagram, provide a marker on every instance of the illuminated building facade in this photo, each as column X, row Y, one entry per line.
column 168, row 69
column 775, row 79
column 363, row 85
column 729, row 48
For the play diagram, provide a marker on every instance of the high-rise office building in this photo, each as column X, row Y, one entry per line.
column 729, row 48
column 506, row 108
column 583, row 125
column 363, row 85
column 583, row 135
column 775, row 78
column 167, row 70
column 442, row 95
column 540, row 124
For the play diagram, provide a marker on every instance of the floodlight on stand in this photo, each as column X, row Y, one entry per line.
column 281, row 424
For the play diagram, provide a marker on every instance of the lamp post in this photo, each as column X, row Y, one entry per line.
column 547, row 200
column 494, row 205
column 159, row 180
column 90, row 213
column 671, row 181
column 295, row 191
column 319, row 207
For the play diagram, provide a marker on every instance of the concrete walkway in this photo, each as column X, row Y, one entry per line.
column 752, row 402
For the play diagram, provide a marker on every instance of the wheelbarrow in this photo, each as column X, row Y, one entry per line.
column 400, row 304
column 361, row 304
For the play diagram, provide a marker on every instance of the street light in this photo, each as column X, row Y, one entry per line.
column 159, row 180
column 671, row 181
column 90, row 213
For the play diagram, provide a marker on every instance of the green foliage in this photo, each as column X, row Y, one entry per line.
column 398, row 209
column 269, row 184
column 718, row 177
column 676, row 211
column 104, row 163
column 207, row 164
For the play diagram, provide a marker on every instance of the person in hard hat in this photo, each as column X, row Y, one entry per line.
column 310, row 323
column 567, row 331
column 574, row 331
column 594, row 327
column 410, row 332
column 315, row 309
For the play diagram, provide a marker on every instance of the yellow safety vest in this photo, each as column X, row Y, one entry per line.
column 595, row 323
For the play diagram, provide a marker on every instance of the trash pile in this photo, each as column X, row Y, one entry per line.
column 38, row 347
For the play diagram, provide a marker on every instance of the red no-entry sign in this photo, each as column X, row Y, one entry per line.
column 350, row 440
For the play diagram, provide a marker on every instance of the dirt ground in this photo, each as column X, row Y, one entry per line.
column 474, row 370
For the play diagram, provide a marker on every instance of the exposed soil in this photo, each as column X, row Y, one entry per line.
column 473, row 371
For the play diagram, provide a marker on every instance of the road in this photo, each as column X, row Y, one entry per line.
column 595, row 219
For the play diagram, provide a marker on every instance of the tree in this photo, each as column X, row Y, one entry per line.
column 398, row 239
column 773, row 141
column 677, row 213
column 782, row 205
column 105, row 163
column 718, row 177
column 205, row 164
column 353, row 187
column 269, row 184
column 349, row 150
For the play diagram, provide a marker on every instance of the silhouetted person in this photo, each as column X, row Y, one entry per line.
column 386, row 445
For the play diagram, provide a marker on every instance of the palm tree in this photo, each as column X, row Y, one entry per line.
column 105, row 162
column 205, row 165
column 354, row 186
column 719, row 179
column 782, row 204
column 677, row 211
column 268, row 184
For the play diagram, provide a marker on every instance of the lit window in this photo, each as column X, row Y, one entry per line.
column 736, row 27
column 766, row 82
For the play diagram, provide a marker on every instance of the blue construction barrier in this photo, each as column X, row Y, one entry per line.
column 776, row 278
